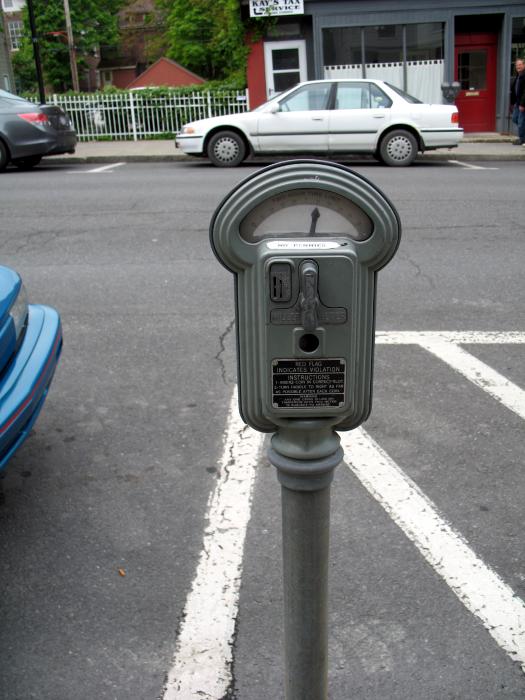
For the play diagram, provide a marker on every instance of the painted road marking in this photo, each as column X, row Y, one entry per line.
column 480, row 374
column 460, row 337
column 202, row 666
column 203, row 657
column 469, row 166
column 102, row 169
column 445, row 346
column 105, row 168
column 479, row 588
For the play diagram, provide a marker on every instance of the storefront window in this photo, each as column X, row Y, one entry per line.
column 342, row 46
column 384, row 44
column 424, row 42
column 518, row 39
column 409, row 56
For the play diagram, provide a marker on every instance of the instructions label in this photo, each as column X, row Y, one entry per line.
column 308, row 383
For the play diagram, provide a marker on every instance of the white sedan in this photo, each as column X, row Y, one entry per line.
column 327, row 117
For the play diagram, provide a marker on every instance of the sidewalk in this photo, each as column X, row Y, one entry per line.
column 474, row 147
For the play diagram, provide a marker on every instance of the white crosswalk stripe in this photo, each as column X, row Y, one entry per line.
column 203, row 658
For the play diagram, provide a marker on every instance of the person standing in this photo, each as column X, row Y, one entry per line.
column 517, row 101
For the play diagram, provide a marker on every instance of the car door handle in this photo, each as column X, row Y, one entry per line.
column 378, row 116
column 318, row 119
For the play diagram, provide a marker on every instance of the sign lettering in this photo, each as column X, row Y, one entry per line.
column 308, row 383
column 265, row 8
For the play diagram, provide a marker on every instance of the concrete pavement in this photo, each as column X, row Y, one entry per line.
column 474, row 147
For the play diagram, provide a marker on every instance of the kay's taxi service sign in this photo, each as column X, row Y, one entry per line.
column 262, row 8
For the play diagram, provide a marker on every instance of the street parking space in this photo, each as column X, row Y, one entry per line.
column 140, row 524
column 212, row 603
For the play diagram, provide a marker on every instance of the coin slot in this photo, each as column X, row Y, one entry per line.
column 280, row 282
column 308, row 342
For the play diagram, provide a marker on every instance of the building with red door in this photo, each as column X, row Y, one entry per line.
column 420, row 46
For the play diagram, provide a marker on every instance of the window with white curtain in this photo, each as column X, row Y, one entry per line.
column 409, row 56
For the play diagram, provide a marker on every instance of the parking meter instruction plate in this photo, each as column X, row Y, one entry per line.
column 308, row 383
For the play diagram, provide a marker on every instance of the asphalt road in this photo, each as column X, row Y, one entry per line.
column 104, row 510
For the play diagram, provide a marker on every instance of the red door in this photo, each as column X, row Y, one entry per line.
column 476, row 59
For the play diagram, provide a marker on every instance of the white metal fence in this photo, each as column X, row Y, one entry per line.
column 140, row 116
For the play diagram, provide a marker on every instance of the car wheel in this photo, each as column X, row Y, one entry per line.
column 27, row 163
column 4, row 158
column 226, row 149
column 398, row 148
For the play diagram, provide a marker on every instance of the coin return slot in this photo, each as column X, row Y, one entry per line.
column 308, row 342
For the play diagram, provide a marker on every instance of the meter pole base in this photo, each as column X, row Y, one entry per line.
column 305, row 454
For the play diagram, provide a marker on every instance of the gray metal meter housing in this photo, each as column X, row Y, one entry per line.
column 305, row 240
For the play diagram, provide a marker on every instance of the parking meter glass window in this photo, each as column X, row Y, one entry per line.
column 306, row 213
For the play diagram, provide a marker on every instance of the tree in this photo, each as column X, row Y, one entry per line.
column 94, row 24
column 207, row 37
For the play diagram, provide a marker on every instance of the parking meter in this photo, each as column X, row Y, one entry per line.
column 305, row 240
column 450, row 90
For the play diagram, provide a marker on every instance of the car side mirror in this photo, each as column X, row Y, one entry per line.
column 275, row 108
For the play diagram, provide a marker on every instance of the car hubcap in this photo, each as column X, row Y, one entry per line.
column 399, row 148
column 226, row 150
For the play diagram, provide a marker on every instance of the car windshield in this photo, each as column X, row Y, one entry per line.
column 409, row 98
column 264, row 105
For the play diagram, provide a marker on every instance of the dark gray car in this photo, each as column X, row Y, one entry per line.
column 29, row 131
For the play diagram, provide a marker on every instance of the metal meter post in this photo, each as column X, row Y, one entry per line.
column 305, row 240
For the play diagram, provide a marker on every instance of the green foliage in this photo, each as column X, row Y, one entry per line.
column 259, row 27
column 216, row 86
column 94, row 24
column 207, row 37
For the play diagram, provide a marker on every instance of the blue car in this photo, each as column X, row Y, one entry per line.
column 30, row 345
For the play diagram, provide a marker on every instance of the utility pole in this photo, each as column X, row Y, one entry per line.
column 71, row 45
column 36, row 52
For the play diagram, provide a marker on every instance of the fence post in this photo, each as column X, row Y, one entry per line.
column 209, row 105
column 132, row 110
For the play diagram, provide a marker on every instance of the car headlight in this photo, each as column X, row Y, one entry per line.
column 19, row 310
column 188, row 130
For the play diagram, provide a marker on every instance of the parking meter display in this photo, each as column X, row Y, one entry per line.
column 306, row 213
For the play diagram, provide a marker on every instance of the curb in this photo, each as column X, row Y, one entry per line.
column 144, row 158
column 160, row 158
column 472, row 156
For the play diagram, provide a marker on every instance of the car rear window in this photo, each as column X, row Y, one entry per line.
column 9, row 96
column 409, row 98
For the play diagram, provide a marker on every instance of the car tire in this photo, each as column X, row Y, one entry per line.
column 27, row 163
column 4, row 157
column 226, row 149
column 398, row 148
